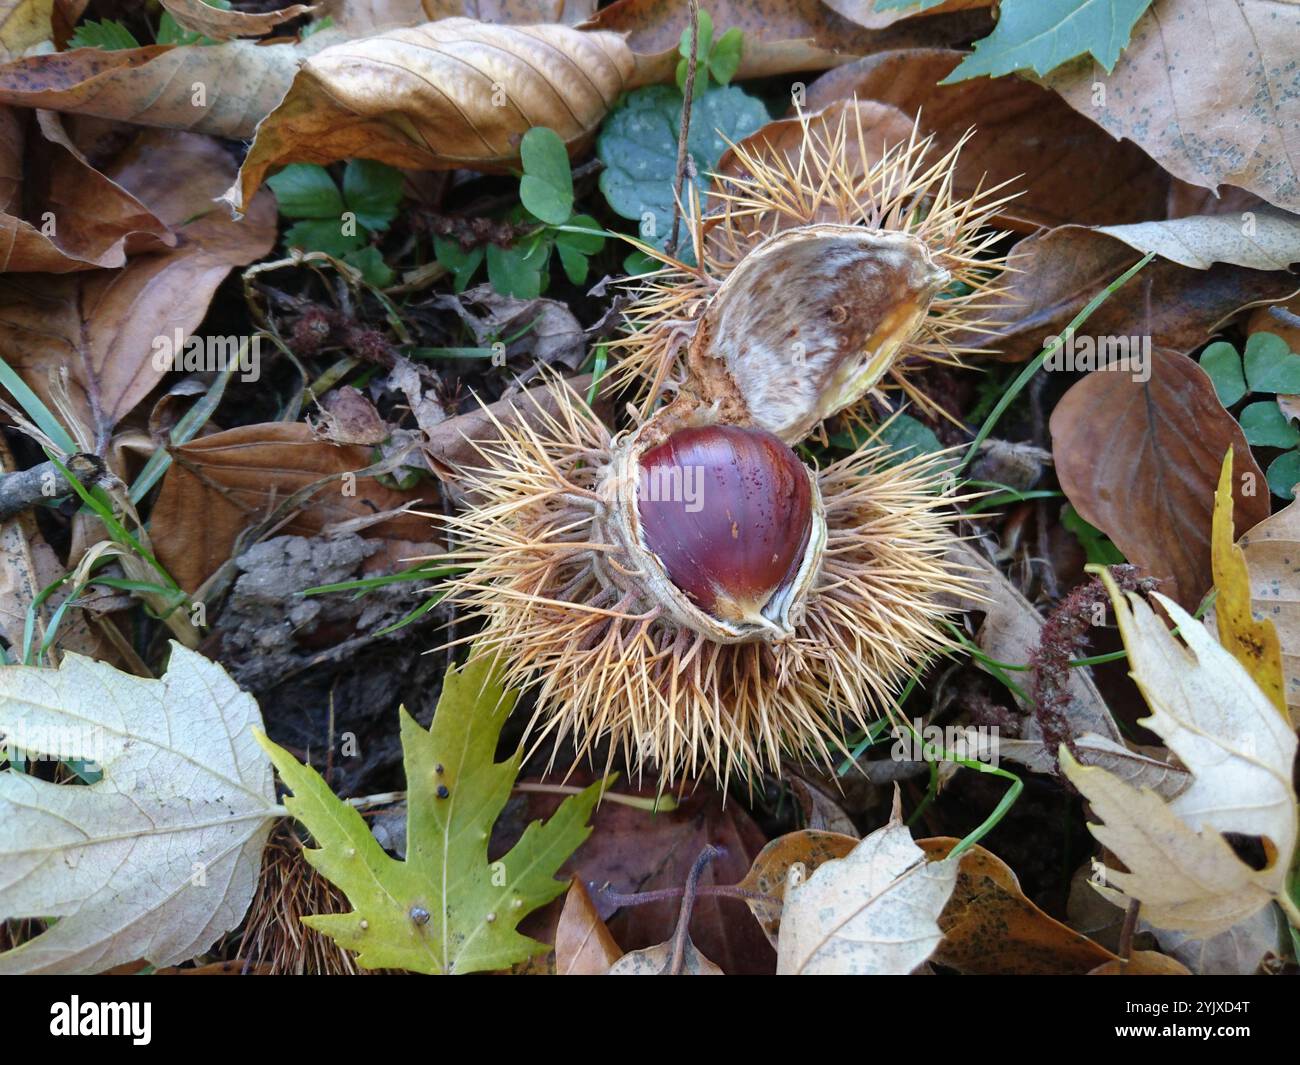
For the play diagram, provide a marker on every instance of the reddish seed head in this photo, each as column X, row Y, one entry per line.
column 728, row 511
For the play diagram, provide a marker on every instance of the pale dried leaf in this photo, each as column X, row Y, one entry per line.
column 159, row 857
column 1239, row 750
column 1263, row 239
column 874, row 911
column 1207, row 90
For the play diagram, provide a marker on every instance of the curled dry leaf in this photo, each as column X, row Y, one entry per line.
column 184, row 787
column 1140, row 460
column 781, row 36
column 77, row 218
column 218, row 24
column 220, row 485
column 1272, row 549
column 1239, row 749
column 222, row 89
column 102, row 326
column 1062, row 167
column 767, row 876
column 1268, row 240
column 362, row 17
column 447, row 94
column 583, row 945
column 874, row 911
column 989, row 927
column 1209, row 115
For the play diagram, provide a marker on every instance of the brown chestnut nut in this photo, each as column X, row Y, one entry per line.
column 728, row 512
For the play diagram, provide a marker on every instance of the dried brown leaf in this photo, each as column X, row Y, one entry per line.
column 989, row 927
column 102, row 325
column 218, row 486
column 222, row 89
column 1272, row 550
column 1055, row 273
column 435, row 97
column 1064, row 168
column 583, row 945
column 218, row 24
column 1140, row 460
column 1207, row 90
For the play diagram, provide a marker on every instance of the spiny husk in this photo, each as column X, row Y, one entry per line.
column 609, row 665
column 826, row 183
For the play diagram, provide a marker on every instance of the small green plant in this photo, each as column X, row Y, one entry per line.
column 113, row 36
column 1267, row 367
column 719, row 59
column 546, row 214
column 340, row 222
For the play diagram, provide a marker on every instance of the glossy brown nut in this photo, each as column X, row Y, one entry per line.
column 728, row 512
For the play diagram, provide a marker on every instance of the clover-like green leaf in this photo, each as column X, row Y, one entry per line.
column 546, row 188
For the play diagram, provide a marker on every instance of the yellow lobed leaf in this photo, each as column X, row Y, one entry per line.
column 1254, row 644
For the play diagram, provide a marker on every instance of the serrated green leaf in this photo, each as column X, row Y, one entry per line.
column 1284, row 474
column 325, row 235
column 1223, row 365
column 638, row 145
column 372, row 192
column 518, row 271
column 546, row 188
column 445, row 909
column 305, row 190
column 371, row 264
column 1271, row 366
column 463, row 264
column 106, row 34
column 1266, row 426
column 1040, row 35
column 172, row 32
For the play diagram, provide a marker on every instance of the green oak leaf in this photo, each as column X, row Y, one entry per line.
column 1040, row 35
column 446, row 909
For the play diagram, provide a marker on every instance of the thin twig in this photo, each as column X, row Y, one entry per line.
column 681, row 936
column 683, row 157
column 1285, row 317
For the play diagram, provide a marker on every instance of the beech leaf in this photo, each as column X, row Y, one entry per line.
column 1209, row 115
column 159, row 857
column 448, row 94
column 446, row 909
